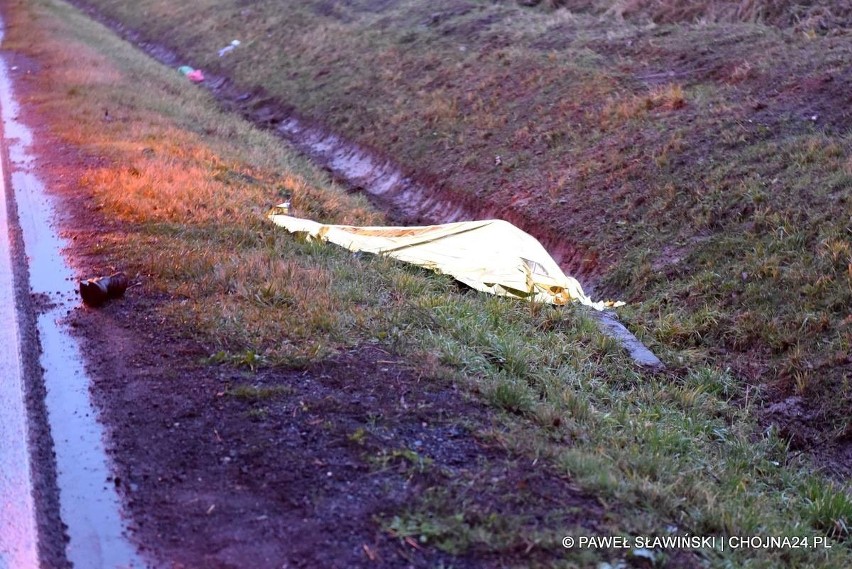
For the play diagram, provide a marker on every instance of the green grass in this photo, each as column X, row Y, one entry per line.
column 613, row 132
column 255, row 393
column 829, row 508
column 759, row 271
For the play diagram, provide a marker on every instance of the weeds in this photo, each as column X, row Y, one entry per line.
column 829, row 508
column 258, row 393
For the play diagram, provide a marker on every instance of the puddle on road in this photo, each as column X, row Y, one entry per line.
column 89, row 504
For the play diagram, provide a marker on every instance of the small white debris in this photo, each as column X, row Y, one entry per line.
column 229, row 48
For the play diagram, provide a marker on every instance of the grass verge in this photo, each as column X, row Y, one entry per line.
column 733, row 115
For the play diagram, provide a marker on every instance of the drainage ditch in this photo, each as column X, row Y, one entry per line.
column 402, row 197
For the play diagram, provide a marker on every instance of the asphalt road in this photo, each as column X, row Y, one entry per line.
column 18, row 543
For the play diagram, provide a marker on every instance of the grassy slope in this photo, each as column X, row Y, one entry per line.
column 682, row 158
column 189, row 186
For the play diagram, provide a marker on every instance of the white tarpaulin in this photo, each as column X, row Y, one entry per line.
column 492, row 255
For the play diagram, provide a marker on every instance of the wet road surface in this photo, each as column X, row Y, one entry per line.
column 88, row 504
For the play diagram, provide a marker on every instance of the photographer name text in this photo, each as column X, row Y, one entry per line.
column 695, row 542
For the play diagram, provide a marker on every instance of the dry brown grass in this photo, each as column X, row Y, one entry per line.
column 816, row 14
column 622, row 108
column 191, row 185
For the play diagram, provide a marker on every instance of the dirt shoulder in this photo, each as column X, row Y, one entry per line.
column 223, row 468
